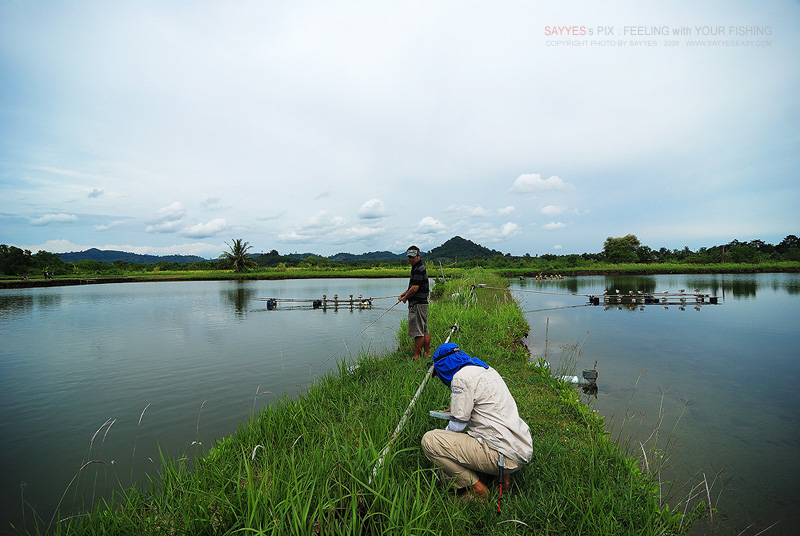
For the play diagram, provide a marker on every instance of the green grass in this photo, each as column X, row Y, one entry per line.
column 528, row 270
column 310, row 465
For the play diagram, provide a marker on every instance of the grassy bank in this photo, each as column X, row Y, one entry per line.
column 310, row 465
column 122, row 275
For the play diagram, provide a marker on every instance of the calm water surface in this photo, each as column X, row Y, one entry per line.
column 198, row 358
column 726, row 374
column 194, row 354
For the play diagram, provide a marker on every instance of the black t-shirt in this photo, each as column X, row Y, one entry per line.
column 419, row 276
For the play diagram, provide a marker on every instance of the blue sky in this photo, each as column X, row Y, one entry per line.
column 528, row 127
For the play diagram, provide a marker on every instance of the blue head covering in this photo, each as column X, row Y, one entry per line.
column 448, row 359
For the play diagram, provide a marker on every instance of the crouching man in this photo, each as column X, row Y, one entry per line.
column 481, row 404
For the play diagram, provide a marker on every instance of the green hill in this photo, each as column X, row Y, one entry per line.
column 110, row 256
column 461, row 248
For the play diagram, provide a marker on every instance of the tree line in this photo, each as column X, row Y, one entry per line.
column 628, row 249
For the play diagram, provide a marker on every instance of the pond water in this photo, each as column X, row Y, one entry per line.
column 719, row 383
column 199, row 357
column 169, row 364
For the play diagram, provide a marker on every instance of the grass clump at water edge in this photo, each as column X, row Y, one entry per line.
column 310, row 465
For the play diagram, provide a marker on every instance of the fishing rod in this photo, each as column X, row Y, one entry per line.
column 359, row 333
column 404, row 418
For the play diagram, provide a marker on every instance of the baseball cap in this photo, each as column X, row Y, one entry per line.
column 413, row 251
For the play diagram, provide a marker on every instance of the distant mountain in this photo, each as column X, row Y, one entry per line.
column 461, row 248
column 302, row 256
column 455, row 248
column 111, row 256
column 371, row 256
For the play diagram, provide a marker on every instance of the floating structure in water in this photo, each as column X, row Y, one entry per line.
column 352, row 302
column 680, row 298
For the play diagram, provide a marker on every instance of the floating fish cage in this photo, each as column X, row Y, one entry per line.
column 352, row 302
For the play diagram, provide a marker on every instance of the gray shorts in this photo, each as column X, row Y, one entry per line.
column 418, row 320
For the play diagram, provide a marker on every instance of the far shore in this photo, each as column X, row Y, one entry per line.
column 361, row 273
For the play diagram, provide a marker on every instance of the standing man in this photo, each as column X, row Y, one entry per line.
column 417, row 298
column 497, row 441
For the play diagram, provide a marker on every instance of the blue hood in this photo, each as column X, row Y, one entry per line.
column 448, row 359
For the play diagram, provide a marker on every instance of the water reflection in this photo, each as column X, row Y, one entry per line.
column 738, row 286
column 15, row 306
column 240, row 297
column 73, row 357
column 725, row 362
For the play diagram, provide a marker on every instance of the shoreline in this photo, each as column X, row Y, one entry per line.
column 389, row 273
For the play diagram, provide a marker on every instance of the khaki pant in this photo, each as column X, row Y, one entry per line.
column 460, row 456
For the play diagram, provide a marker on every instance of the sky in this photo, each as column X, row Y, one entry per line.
column 174, row 127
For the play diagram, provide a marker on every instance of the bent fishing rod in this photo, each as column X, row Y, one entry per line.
column 359, row 333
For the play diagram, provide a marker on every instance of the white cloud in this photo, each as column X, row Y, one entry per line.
column 95, row 193
column 175, row 211
column 505, row 211
column 164, row 227
column 488, row 233
column 211, row 202
column 533, row 183
column 48, row 219
column 318, row 226
column 168, row 219
column 323, row 220
column 372, row 210
column 552, row 210
column 204, row 230
column 557, row 247
column 429, row 225
column 361, row 233
column 111, row 225
column 552, row 226
column 271, row 216
column 509, row 230
column 468, row 211
column 59, row 246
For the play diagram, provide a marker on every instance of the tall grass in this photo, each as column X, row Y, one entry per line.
column 305, row 465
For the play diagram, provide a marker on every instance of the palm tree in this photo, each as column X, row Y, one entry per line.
column 238, row 255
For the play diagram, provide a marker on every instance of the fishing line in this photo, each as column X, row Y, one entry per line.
column 359, row 333
column 557, row 308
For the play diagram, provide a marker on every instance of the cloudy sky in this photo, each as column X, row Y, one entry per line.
column 526, row 126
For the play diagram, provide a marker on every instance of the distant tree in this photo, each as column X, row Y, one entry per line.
column 790, row 241
column 645, row 255
column 15, row 261
column 312, row 261
column 744, row 253
column 87, row 266
column 789, row 248
column 621, row 250
column 50, row 263
column 238, row 255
